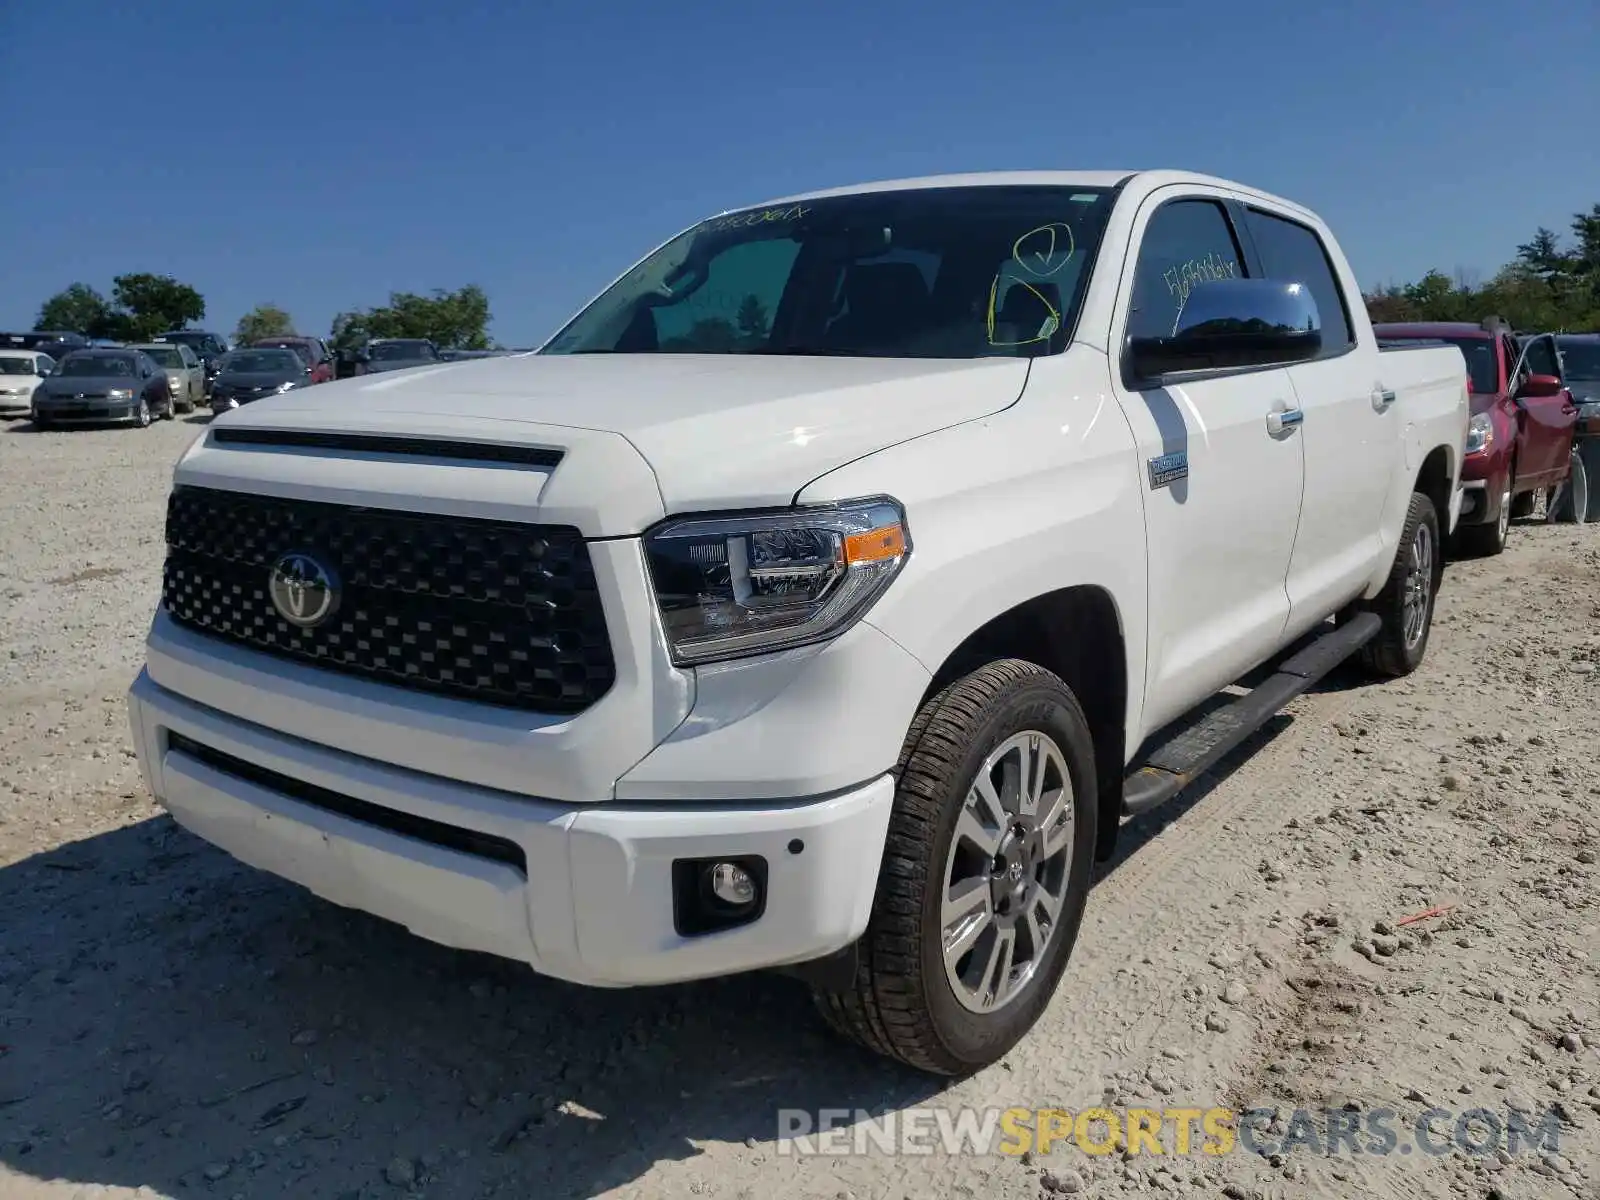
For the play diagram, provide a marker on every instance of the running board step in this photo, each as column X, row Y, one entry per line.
column 1175, row 763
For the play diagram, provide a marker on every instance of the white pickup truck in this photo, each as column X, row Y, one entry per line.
column 822, row 597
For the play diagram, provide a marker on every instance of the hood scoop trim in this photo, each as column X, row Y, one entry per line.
column 389, row 445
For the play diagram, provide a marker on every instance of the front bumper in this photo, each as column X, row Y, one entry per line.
column 15, row 406
column 63, row 412
column 582, row 892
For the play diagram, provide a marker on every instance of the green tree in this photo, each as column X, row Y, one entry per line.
column 457, row 320
column 1545, row 287
column 149, row 304
column 349, row 331
column 263, row 321
column 751, row 321
column 710, row 336
column 78, row 308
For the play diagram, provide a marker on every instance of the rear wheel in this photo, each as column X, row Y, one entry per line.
column 1405, row 606
column 1522, row 506
column 985, row 874
column 1570, row 501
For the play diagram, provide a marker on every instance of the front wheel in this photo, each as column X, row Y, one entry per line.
column 141, row 418
column 1489, row 538
column 1405, row 606
column 985, row 873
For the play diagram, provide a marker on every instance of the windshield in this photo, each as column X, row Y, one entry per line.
column 299, row 349
column 96, row 364
column 1580, row 359
column 262, row 362
column 963, row 272
column 15, row 366
column 167, row 356
column 395, row 351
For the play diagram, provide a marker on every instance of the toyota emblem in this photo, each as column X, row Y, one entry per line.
column 303, row 590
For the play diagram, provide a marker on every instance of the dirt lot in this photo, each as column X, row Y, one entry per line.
column 172, row 1024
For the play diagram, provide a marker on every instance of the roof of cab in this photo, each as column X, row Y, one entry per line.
column 1150, row 180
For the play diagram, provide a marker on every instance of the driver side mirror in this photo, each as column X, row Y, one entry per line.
column 1539, row 386
column 1233, row 324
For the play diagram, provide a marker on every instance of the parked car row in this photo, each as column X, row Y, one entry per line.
column 1525, row 440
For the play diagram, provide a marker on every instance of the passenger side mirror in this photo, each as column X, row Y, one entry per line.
column 1537, row 386
column 1233, row 324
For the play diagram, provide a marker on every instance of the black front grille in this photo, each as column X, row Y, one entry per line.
column 491, row 611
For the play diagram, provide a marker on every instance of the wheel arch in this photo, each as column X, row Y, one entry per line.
column 1076, row 632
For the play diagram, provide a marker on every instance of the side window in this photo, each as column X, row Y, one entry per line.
column 1291, row 252
column 1186, row 242
column 733, row 309
column 1542, row 358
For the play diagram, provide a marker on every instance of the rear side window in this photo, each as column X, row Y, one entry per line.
column 1186, row 242
column 1291, row 252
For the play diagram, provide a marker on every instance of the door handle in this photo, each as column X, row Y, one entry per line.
column 1279, row 422
column 1381, row 399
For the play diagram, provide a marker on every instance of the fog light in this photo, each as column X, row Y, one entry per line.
column 714, row 894
column 732, row 884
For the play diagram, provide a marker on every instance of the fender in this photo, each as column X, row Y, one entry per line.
column 1040, row 497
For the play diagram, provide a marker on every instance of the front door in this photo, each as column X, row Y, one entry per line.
column 1545, row 422
column 1222, row 489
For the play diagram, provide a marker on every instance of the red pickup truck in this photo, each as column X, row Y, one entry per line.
column 1523, row 421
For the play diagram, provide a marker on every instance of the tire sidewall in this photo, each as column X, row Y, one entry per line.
column 1423, row 513
column 1039, row 703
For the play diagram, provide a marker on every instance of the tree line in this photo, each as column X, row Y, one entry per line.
column 1551, row 285
column 143, row 305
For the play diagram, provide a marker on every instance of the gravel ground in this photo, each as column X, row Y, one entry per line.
column 173, row 1024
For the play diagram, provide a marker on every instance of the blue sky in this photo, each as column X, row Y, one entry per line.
column 322, row 155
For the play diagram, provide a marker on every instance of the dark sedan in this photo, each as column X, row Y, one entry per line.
column 246, row 375
column 103, row 385
column 396, row 354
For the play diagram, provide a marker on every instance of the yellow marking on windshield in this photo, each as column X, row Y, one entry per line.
column 1041, row 253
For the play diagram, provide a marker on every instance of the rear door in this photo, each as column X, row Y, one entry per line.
column 1351, row 433
column 1547, row 422
column 1222, row 492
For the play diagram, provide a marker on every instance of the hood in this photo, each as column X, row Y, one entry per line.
column 400, row 364
column 69, row 385
column 1585, row 391
column 717, row 431
column 254, row 379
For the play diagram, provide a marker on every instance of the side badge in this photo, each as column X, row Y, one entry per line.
column 1168, row 469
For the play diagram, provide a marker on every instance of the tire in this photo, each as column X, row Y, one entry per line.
column 1413, row 579
column 170, row 412
column 1522, row 506
column 142, row 420
column 1489, row 539
column 905, row 1003
column 1570, row 501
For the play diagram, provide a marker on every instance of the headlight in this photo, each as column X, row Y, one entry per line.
column 739, row 585
column 119, row 394
column 1480, row 433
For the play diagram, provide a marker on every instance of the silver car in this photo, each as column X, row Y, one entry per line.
column 186, row 374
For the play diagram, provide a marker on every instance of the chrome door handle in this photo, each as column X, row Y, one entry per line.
column 1382, row 399
column 1277, row 422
